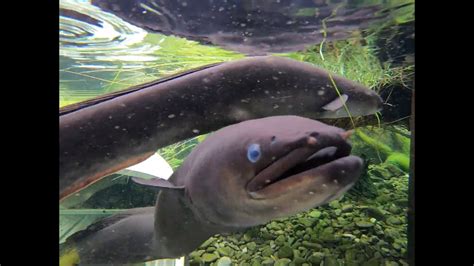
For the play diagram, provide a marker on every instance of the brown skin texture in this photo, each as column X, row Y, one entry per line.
column 219, row 190
column 100, row 136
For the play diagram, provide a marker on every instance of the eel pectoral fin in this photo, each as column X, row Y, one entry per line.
column 156, row 182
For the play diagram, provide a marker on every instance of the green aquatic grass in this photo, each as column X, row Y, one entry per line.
column 390, row 144
column 175, row 154
column 356, row 60
column 175, row 55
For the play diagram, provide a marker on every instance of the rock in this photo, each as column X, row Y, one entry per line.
column 267, row 251
column 372, row 262
column 392, row 233
column 350, row 255
column 315, row 214
column 335, row 204
column 209, row 257
column 330, row 261
column 298, row 260
column 394, row 209
column 352, row 263
column 306, row 222
column 402, row 202
column 351, row 236
column 224, row 261
column 328, row 230
column 347, row 208
column 285, row 252
column 273, row 226
column 394, row 220
column 234, row 247
column 316, row 258
column 247, row 237
column 267, row 236
column 364, row 224
column 196, row 253
column 383, row 198
column 195, row 262
column 311, row 245
column 375, row 213
column 280, row 239
column 245, row 257
column 251, row 246
column 225, row 251
column 207, row 242
column 268, row 262
column 282, row 262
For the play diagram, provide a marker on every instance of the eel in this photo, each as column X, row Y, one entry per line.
column 250, row 27
column 240, row 176
column 109, row 133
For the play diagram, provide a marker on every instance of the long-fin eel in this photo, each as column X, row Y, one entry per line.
column 105, row 134
column 240, row 176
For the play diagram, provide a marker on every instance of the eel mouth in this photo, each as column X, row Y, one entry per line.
column 307, row 167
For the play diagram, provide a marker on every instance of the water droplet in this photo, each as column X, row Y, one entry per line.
column 320, row 93
column 325, row 186
column 266, row 92
column 267, row 181
column 110, row 117
column 311, row 193
column 171, row 116
column 184, row 4
column 196, row 131
column 335, row 181
column 117, row 127
column 221, row 9
column 276, row 106
column 274, row 78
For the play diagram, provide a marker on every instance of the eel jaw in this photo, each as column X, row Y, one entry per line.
column 329, row 171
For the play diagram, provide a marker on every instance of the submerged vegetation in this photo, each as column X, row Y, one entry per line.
column 172, row 55
column 356, row 60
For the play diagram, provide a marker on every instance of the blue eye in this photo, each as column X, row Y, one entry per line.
column 254, row 153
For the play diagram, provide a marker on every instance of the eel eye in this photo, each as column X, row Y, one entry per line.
column 254, row 153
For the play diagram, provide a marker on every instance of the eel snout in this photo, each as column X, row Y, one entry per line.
column 323, row 162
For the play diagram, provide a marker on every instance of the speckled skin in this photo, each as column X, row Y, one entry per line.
column 218, row 190
column 102, row 136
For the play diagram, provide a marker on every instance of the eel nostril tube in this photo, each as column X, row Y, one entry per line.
column 347, row 134
column 312, row 140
